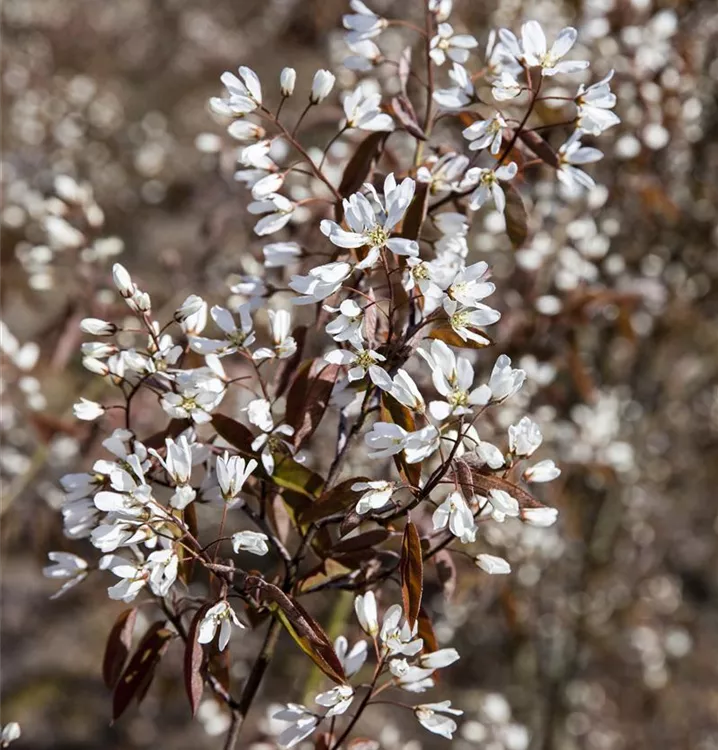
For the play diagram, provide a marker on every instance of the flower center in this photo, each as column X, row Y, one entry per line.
column 377, row 236
column 459, row 319
column 458, row 398
column 364, row 360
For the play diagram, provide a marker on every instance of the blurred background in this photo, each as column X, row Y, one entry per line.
column 606, row 635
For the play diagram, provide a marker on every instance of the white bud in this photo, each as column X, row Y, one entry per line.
column 97, row 327
column 539, row 516
column 287, row 79
column 493, row 565
column 96, row 366
column 123, row 280
column 322, row 85
column 88, row 411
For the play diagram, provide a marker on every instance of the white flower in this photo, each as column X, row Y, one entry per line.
column 441, row 9
column 363, row 24
column 197, row 395
column 493, row 565
column 245, row 131
column 524, row 438
column 250, row 541
column 505, row 381
column 287, row 79
column 351, row 660
column 221, row 616
column 535, row 54
column 303, row 723
column 280, row 324
column 365, row 55
column 376, row 495
column 430, row 716
column 232, row 472
column 236, row 336
column 396, row 635
column 10, row 732
column 471, row 285
column 178, row 464
column 485, row 133
column 385, row 439
column 444, row 173
column 490, row 455
column 421, row 444
column 88, row 411
column 456, row 514
column 159, row 571
column 337, row 700
column 488, row 185
column 347, row 326
column 320, row 283
column 366, row 612
column 192, row 315
column 322, row 86
column 569, row 155
column 97, row 327
column 505, row 87
column 460, row 94
column 279, row 212
column 454, row 46
column 439, row 659
column 539, row 516
column 503, row 504
column 259, row 414
column 361, row 362
column 66, row 565
column 363, row 111
column 371, row 225
column 244, row 94
column 594, row 107
column 406, row 392
column 280, row 254
column 465, row 320
column 543, row 471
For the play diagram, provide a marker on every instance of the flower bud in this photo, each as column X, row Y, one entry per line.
column 123, row 280
column 287, row 79
column 97, row 327
column 96, row 366
column 322, row 85
column 88, row 411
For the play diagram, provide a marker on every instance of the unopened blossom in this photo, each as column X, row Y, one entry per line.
column 448, row 44
column 347, row 326
column 278, row 210
column 245, row 131
column 97, row 327
column 68, row 566
column 337, row 700
column 192, row 315
column 539, row 516
column 488, row 185
column 365, row 55
column 375, row 495
column 396, row 635
column 280, row 254
column 505, row 381
column 284, row 345
column 572, row 155
column 87, row 411
column 220, row 616
column 456, row 514
column 524, row 437
column 237, row 336
column 366, row 612
column 436, row 718
column 543, row 471
column 441, row 9
column 321, row 282
column 536, row 54
column 594, row 104
column 505, row 87
column 268, row 185
column 503, row 504
column 10, row 732
column 363, row 111
column 363, row 23
column 372, row 225
column 406, row 392
column 250, row 541
column 302, row 724
column 243, row 93
column 489, row 455
column 287, row 79
column 486, row 133
column 493, row 565
column 232, row 472
column 439, row 659
column 259, row 413
column 464, row 320
column 460, row 93
column 322, row 86
column 352, row 660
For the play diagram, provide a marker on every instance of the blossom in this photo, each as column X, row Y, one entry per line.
column 280, row 323
column 458, row 95
column 406, row 392
column 594, row 104
column 245, row 131
column 431, row 716
column 397, row 636
column 456, row 514
column 372, row 225
column 279, row 212
column 232, row 472
column 539, row 516
column 88, row 411
column 66, row 565
column 322, row 86
column 493, row 565
column 366, row 612
column 197, row 395
column 444, row 173
column 471, row 285
column 543, row 471
column 385, row 439
column 454, row 46
column 250, row 541
column 352, row 660
column 365, row 55
column 221, row 616
column 320, row 283
column 159, row 571
column 490, row 455
column 287, row 79
column 503, row 504
column 178, row 464
column 505, row 381
column 363, row 24
column 505, row 87
column 488, row 185
column 303, row 723
column 192, row 315
column 243, row 94
column 569, row 155
column 464, row 320
column 97, row 327
column 485, row 133
column 360, row 362
column 376, row 495
column 337, row 700
column 535, row 53
column 420, row 444
column 260, row 414
column 363, row 112
column 439, row 659
column 347, row 326
column 280, row 254
column 237, row 337
column 524, row 438
column 10, row 732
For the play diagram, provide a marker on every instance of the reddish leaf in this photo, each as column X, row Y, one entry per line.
column 118, row 647
column 412, row 573
column 173, row 429
column 516, row 217
column 446, row 571
column 425, row 631
column 393, row 411
column 334, row 501
column 193, row 658
column 361, row 164
column 540, row 147
column 368, row 539
column 287, row 367
column 404, row 112
column 235, row 433
column 135, row 680
column 414, row 219
column 444, row 332
column 462, row 474
column 308, row 398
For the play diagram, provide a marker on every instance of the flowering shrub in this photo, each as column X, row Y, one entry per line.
column 377, row 326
